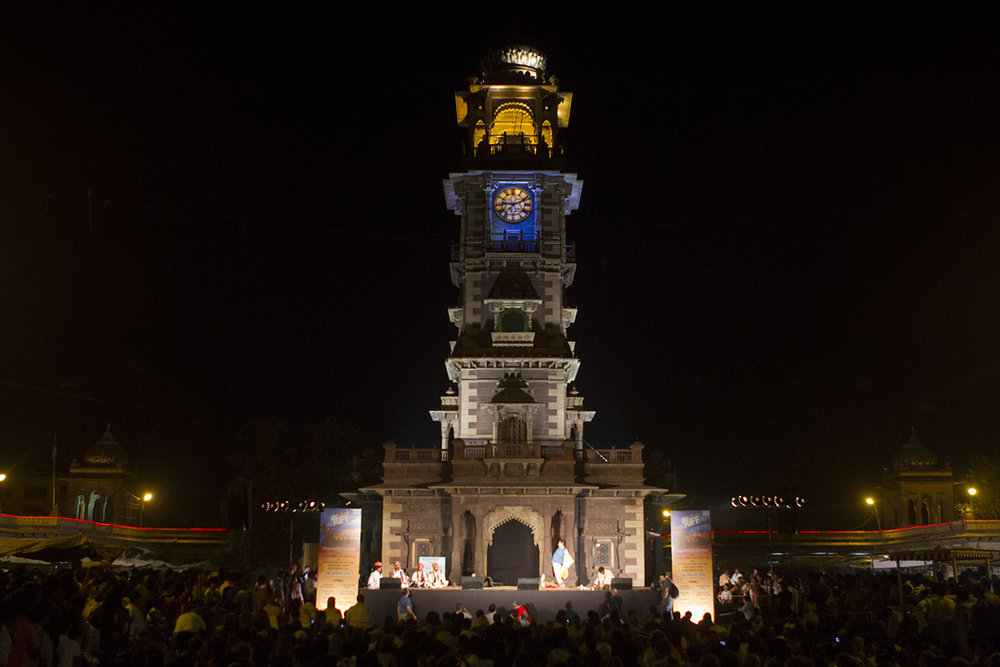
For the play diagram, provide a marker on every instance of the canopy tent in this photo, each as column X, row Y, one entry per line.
column 63, row 549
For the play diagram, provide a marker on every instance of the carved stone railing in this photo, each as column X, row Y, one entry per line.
column 416, row 455
column 526, row 450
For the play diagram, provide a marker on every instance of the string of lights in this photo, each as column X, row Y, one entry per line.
column 768, row 502
column 293, row 506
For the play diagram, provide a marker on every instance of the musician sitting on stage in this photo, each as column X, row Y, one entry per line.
column 375, row 578
column 435, row 578
column 399, row 573
column 602, row 581
column 419, row 578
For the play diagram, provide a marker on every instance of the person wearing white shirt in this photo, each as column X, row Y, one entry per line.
column 435, row 579
column 399, row 573
column 375, row 578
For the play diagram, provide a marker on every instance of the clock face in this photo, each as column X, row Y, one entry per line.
column 512, row 204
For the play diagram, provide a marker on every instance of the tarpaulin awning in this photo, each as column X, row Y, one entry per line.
column 63, row 549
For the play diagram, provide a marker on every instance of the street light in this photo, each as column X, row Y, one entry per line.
column 146, row 497
column 878, row 520
column 972, row 494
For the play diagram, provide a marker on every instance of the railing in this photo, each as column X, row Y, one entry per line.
column 516, row 146
column 608, row 456
column 492, row 450
column 521, row 450
column 416, row 455
column 512, row 244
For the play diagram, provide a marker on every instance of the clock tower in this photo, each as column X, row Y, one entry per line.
column 513, row 474
column 512, row 363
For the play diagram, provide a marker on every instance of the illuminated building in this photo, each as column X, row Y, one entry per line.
column 513, row 473
column 99, row 487
column 917, row 490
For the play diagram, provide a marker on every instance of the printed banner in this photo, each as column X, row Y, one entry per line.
column 691, row 553
column 339, row 557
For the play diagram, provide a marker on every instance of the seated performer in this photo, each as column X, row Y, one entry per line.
column 399, row 573
column 435, row 579
column 561, row 562
column 419, row 579
column 375, row 578
column 602, row 581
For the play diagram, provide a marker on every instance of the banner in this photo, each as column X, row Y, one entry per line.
column 339, row 557
column 691, row 553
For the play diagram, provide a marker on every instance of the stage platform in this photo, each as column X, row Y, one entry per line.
column 546, row 601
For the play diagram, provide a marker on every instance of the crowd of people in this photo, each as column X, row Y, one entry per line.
column 92, row 616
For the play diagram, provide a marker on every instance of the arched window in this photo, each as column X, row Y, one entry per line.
column 81, row 507
column 512, row 320
column 513, row 120
column 478, row 134
column 93, row 506
column 925, row 513
column 911, row 514
column 547, row 133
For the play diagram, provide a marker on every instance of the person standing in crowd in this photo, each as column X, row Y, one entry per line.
column 404, row 607
column 359, row 615
column 668, row 593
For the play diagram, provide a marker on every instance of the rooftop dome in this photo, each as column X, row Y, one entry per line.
column 914, row 454
column 513, row 64
column 106, row 452
column 512, row 389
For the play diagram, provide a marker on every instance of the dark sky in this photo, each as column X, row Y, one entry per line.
column 786, row 242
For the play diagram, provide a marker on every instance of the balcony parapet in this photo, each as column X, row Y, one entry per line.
column 514, row 245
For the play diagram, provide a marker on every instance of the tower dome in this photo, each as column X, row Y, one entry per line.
column 914, row 455
column 106, row 452
column 513, row 64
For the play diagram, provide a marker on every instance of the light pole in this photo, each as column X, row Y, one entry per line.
column 145, row 498
column 878, row 520
column 972, row 495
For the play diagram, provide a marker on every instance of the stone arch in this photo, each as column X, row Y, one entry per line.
column 547, row 133
column 525, row 516
column 501, row 515
column 514, row 118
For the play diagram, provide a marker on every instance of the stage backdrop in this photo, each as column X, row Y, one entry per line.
column 691, row 553
column 339, row 557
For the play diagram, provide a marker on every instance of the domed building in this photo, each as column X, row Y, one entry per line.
column 918, row 490
column 100, row 487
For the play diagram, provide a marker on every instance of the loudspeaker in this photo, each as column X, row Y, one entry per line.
column 389, row 583
column 623, row 584
column 527, row 583
column 472, row 583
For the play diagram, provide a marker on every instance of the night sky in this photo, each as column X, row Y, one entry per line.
column 786, row 242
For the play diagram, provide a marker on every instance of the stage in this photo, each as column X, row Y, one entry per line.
column 546, row 601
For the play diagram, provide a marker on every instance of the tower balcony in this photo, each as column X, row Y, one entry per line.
column 514, row 152
column 523, row 244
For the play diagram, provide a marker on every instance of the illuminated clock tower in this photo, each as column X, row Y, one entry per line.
column 513, row 474
column 512, row 363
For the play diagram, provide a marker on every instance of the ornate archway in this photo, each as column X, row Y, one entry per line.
column 520, row 551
